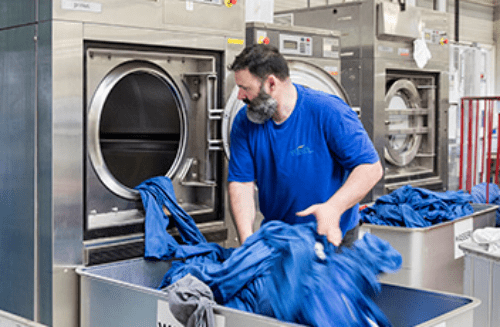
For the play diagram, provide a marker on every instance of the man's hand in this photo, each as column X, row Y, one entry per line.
column 328, row 219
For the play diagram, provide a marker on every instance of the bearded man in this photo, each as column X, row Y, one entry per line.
column 305, row 150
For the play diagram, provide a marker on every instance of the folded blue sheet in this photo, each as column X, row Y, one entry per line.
column 283, row 271
column 414, row 207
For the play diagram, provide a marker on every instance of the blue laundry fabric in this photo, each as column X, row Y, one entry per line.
column 155, row 193
column 277, row 272
column 478, row 193
column 415, row 207
column 284, row 271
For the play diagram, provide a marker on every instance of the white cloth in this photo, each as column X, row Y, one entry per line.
column 421, row 52
column 488, row 238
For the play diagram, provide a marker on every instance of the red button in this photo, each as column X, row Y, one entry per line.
column 266, row 40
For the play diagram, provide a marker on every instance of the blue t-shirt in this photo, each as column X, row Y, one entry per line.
column 302, row 161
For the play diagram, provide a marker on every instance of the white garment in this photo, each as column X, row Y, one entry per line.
column 488, row 238
column 421, row 52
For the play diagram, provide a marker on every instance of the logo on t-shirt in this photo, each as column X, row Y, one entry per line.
column 300, row 150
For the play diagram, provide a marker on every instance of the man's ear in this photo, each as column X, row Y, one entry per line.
column 272, row 82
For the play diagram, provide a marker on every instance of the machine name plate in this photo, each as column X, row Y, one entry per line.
column 383, row 48
column 81, row 6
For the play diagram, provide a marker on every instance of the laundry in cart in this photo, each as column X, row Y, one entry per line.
column 282, row 271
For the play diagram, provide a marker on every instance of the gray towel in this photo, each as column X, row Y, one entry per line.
column 191, row 302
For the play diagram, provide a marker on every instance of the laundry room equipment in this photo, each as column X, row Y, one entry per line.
column 313, row 57
column 96, row 97
column 394, row 60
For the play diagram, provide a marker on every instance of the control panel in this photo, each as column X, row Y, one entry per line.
column 295, row 44
column 316, row 45
column 435, row 36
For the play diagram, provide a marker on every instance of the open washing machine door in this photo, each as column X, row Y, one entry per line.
column 301, row 72
column 136, row 127
column 404, row 124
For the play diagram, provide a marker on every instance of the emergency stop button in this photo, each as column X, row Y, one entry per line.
column 263, row 39
column 230, row 3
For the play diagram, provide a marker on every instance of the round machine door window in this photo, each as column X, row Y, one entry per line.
column 136, row 127
column 403, row 137
column 302, row 73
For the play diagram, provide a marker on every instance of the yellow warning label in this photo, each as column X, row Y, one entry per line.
column 235, row 41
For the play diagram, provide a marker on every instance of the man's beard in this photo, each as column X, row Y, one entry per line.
column 261, row 108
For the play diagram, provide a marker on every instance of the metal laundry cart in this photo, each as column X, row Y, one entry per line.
column 124, row 293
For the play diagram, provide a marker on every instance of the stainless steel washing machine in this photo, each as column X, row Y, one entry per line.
column 105, row 94
column 404, row 106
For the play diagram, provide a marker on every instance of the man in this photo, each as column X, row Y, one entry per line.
column 306, row 151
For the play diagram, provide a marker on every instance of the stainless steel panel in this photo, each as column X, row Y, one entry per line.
column 15, row 13
column 174, row 15
column 43, row 311
column 141, row 36
column 68, row 152
column 17, row 170
column 393, row 20
column 342, row 18
column 66, row 305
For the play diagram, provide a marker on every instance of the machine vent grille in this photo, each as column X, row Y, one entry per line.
column 115, row 253
column 130, row 250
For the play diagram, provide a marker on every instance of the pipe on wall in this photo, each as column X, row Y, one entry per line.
column 457, row 16
column 440, row 5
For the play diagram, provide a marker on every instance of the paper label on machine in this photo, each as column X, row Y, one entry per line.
column 463, row 232
column 81, row 6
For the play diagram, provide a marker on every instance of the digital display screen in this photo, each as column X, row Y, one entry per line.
column 287, row 44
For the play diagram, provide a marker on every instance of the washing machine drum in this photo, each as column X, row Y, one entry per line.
column 302, row 73
column 403, row 137
column 136, row 127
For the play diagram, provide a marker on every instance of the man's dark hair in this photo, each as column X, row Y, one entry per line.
column 261, row 61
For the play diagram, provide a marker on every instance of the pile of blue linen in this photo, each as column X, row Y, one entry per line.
column 282, row 271
column 478, row 193
column 415, row 207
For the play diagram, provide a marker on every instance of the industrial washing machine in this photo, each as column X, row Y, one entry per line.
column 403, row 106
column 97, row 97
